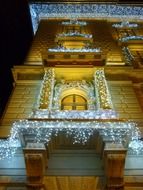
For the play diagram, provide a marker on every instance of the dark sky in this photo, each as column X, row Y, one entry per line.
column 15, row 38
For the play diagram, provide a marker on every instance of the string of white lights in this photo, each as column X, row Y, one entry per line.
column 43, row 130
column 46, row 93
column 63, row 49
column 125, row 24
column 102, row 90
column 84, row 10
column 73, row 114
column 74, row 34
column 74, row 22
column 128, row 38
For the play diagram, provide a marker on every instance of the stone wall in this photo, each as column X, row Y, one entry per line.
column 125, row 101
column 21, row 103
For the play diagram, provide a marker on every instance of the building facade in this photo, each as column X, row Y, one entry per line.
column 75, row 115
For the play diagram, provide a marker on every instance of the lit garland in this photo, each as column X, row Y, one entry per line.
column 87, row 114
column 81, row 85
column 125, row 24
column 135, row 147
column 74, row 34
column 46, row 93
column 102, row 90
column 43, row 130
column 74, row 22
column 128, row 38
column 63, row 49
column 84, row 10
column 81, row 131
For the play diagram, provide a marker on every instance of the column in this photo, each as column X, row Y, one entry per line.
column 114, row 161
column 101, row 90
column 36, row 161
column 46, row 93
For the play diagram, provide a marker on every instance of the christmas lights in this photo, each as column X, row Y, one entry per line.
column 63, row 49
column 84, row 10
column 74, row 22
column 43, row 130
column 73, row 114
column 74, row 34
column 50, row 92
column 46, row 93
column 128, row 38
column 82, row 86
column 125, row 24
column 81, row 131
column 102, row 90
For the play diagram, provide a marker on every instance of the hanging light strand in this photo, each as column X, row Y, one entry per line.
column 46, row 93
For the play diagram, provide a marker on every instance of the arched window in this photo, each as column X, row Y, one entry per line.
column 74, row 102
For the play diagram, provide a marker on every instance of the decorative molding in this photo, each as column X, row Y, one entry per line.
column 102, row 91
column 46, row 93
column 82, row 11
column 83, row 86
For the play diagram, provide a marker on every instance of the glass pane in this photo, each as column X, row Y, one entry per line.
column 80, row 99
column 80, row 108
column 74, row 102
column 68, row 99
column 67, row 108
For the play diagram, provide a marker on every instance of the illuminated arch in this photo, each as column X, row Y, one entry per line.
column 80, row 88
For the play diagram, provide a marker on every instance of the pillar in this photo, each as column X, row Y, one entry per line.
column 36, row 161
column 114, row 162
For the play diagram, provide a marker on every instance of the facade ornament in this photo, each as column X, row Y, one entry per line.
column 46, row 93
column 84, row 10
column 83, row 86
column 102, row 91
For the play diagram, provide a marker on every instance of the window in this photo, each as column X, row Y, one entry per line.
column 74, row 102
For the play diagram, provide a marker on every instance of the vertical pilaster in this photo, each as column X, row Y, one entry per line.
column 46, row 94
column 114, row 162
column 36, row 162
column 101, row 89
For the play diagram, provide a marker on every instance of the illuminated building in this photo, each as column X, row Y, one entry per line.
column 77, row 99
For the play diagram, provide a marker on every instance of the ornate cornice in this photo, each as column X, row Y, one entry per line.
column 84, row 11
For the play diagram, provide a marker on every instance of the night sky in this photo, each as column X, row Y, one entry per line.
column 15, row 39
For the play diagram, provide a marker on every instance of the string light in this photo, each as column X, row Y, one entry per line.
column 40, row 129
column 43, row 126
column 102, row 90
column 82, row 85
column 74, row 34
column 125, row 24
column 84, row 10
column 46, row 93
column 128, row 38
column 43, row 130
column 74, row 22
column 73, row 114
column 63, row 49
